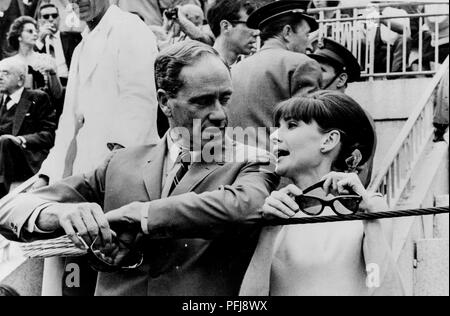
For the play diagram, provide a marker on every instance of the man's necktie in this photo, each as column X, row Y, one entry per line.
column 184, row 159
column 6, row 101
column 51, row 47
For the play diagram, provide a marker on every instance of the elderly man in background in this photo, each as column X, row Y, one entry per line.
column 110, row 99
column 187, row 208
column 27, row 126
column 228, row 22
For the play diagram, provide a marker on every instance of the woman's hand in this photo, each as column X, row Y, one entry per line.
column 338, row 183
column 280, row 204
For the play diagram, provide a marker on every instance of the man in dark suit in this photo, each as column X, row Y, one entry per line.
column 27, row 126
column 186, row 215
column 60, row 45
column 278, row 72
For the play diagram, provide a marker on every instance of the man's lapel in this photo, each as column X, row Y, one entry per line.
column 154, row 169
column 21, row 111
column 195, row 175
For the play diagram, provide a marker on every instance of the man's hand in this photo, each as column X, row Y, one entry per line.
column 46, row 30
column 126, row 222
column 16, row 140
column 126, row 218
column 87, row 219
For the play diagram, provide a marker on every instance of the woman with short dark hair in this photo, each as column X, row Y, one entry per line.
column 321, row 141
column 42, row 74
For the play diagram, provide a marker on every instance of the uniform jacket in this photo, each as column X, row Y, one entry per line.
column 262, row 81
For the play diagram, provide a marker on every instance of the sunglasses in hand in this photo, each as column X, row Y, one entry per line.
column 340, row 205
column 104, row 262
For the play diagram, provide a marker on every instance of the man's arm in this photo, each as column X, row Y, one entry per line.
column 204, row 215
column 72, row 204
column 192, row 31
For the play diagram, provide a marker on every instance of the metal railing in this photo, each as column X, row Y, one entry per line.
column 400, row 161
column 358, row 28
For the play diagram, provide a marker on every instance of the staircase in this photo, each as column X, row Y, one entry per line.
column 415, row 174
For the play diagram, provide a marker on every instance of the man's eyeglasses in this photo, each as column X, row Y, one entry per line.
column 100, row 263
column 48, row 16
column 341, row 205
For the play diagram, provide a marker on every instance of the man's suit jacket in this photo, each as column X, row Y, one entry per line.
column 262, row 81
column 110, row 95
column 69, row 41
column 197, row 244
column 35, row 120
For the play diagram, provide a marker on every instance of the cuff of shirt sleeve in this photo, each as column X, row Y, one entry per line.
column 144, row 220
column 31, row 226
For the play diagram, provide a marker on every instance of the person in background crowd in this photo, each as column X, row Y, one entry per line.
column 339, row 68
column 42, row 68
column 185, row 23
column 153, row 10
column 27, row 125
column 228, row 22
column 10, row 10
column 320, row 142
column 110, row 99
column 59, row 45
column 70, row 22
column 278, row 72
column 191, row 223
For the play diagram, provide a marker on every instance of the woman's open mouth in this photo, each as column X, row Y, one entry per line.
column 280, row 153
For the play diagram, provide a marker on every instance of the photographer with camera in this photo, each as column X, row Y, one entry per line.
column 186, row 22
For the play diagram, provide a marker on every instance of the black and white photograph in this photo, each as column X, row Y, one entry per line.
column 224, row 153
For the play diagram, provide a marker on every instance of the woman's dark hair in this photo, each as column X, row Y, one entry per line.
column 16, row 30
column 333, row 110
column 6, row 291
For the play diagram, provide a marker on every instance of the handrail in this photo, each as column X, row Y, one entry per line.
column 389, row 177
column 376, row 5
column 359, row 34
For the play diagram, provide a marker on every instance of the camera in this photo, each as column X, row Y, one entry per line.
column 171, row 14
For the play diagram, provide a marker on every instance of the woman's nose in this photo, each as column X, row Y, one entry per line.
column 274, row 137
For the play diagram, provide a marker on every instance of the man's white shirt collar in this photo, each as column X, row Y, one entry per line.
column 15, row 98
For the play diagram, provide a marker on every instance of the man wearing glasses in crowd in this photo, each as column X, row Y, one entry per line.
column 228, row 21
column 60, row 45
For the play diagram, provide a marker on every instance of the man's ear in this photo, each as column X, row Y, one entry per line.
column 330, row 141
column 287, row 32
column 341, row 81
column 163, row 101
column 225, row 26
